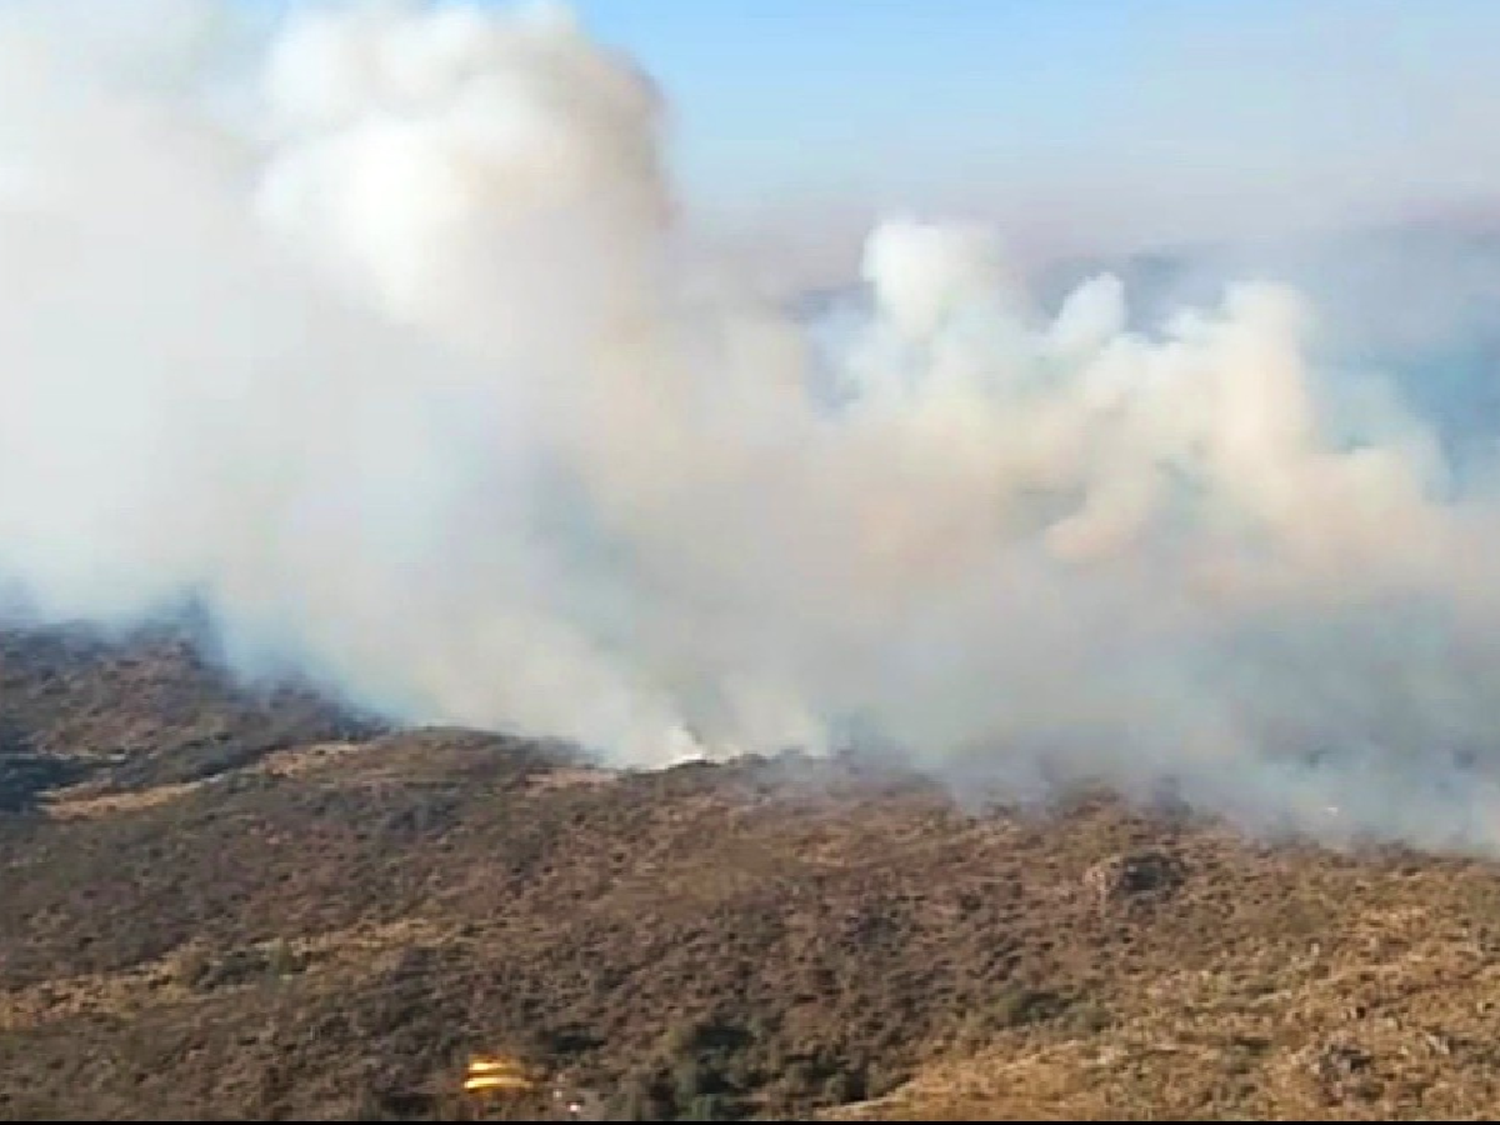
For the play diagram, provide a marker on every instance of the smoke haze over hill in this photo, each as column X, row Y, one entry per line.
column 379, row 337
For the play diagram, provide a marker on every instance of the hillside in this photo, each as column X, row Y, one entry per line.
column 230, row 904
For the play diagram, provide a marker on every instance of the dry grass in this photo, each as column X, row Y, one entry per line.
column 763, row 938
column 307, row 761
column 1385, row 1011
column 87, row 803
column 566, row 778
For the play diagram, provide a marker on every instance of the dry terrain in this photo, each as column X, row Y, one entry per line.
column 228, row 903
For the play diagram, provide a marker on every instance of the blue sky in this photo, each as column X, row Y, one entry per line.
column 1106, row 120
column 846, row 94
column 1093, row 107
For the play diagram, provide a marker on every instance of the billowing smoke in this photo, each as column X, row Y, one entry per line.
column 380, row 338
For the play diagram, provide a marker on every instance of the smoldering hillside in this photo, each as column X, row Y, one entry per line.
column 378, row 335
column 225, row 906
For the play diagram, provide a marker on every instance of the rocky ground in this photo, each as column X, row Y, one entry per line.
column 223, row 903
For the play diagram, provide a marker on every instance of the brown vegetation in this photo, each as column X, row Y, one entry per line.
column 248, row 927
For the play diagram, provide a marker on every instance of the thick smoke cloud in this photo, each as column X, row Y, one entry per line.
column 380, row 338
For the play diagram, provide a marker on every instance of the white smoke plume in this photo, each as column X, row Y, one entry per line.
column 379, row 335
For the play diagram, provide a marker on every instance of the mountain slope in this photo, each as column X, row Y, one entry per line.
column 328, row 924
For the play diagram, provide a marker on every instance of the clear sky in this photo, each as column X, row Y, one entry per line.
column 1091, row 107
column 1090, row 120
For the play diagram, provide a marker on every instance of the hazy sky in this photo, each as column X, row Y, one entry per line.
column 1092, row 124
column 1153, row 112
